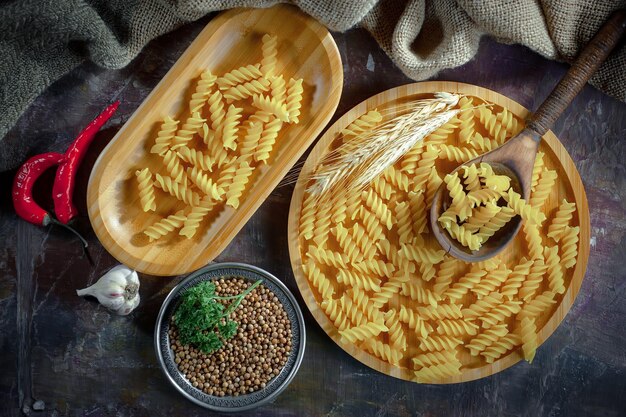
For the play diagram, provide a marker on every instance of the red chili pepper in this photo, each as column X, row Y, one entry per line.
column 23, row 201
column 66, row 174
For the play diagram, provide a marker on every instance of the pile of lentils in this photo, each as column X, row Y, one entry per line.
column 250, row 359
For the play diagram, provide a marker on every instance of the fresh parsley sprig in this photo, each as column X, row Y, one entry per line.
column 202, row 320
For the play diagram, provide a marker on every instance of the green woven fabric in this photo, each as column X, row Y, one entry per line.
column 41, row 40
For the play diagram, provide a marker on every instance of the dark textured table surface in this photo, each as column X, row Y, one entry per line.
column 71, row 357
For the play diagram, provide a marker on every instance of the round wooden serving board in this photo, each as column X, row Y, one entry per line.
column 305, row 50
column 569, row 186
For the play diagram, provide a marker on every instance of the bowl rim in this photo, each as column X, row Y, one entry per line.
column 266, row 275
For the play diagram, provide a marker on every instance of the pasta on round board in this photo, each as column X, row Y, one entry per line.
column 465, row 316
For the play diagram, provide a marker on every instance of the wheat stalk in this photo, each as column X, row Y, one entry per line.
column 357, row 162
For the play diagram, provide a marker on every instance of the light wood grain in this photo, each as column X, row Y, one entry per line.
column 305, row 50
column 569, row 186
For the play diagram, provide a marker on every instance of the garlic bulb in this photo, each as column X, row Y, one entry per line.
column 117, row 290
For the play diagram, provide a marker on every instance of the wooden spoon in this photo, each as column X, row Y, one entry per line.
column 517, row 156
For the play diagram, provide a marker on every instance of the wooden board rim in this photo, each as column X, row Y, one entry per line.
column 429, row 87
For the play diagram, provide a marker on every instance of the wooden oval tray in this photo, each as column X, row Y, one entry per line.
column 305, row 50
column 568, row 186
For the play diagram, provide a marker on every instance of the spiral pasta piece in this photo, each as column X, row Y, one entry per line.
column 225, row 176
column 396, row 178
column 173, row 166
column 267, row 140
column 293, row 101
column 533, row 240
column 346, row 243
column 483, row 196
column 537, row 306
column 526, row 211
column 333, row 310
column 464, row 285
column 432, row 185
column 322, row 224
column 382, row 187
column 408, row 162
column 492, row 281
column 509, row 122
column 397, row 339
column 202, row 92
column 247, row 89
column 146, row 189
column 365, row 304
column 240, row 180
column 165, row 226
column 192, row 125
column 436, row 372
column 270, row 52
column 528, row 335
column 500, row 312
column 424, row 166
column 501, row 346
column 417, row 207
column 363, row 241
column 363, row 332
column 561, row 220
column 278, row 88
column 483, row 144
column 239, row 76
column 569, row 247
column 414, row 321
column 457, row 328
column 434, row 343
column 443, row 278
column 470, row 175
column 196, row 158
column 460, row 202
column 427, row 271
column 498, row 221
column 423, row 255
column 195, row 217
column 486, row 339
column 375, row 266
column 533, row 280
column 165, row 136
column 442, row 311
column 307, row 217
column 441, row 135
column 482, row 306
column 492, row 124
column 481, row 216
column 537, row 168
column 467, row 125
column 419, row 294
column 356, row 316
column 177, row 190
column 317, row 278
column 358, row 279
column 328, row 257
column 388, row 289
column 464, row 236
column 456, row 154
column 372, row 224
column 543, row 188
column 205, row 184
column 362, row 124
column 433, row 358
column 378, row 207
column 383, row 351
column 516, row 279
column 555, row 271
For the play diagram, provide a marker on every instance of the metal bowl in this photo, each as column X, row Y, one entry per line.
column 230, row 403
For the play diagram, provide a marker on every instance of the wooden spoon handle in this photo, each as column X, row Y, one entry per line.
column 594, row 54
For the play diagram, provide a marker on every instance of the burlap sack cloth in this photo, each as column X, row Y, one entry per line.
column 41, row 40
